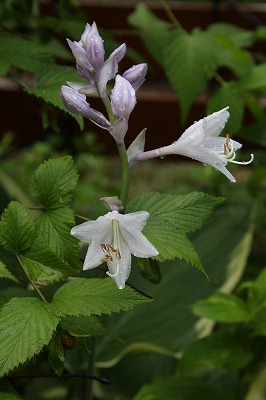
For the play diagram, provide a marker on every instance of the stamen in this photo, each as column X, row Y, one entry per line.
column 229, row 153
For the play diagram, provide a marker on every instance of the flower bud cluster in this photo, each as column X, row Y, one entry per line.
column 89, row 53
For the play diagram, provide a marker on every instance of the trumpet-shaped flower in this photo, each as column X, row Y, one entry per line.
column 112, row 239
column 201, row 142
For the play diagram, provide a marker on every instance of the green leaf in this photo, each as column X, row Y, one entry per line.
column 229, row 55
column 54, row 229
column 219, row 349
column 49, row 81
column 149, row 269
column 171, row 217
column 154, row 32
column 22, row 53
column 190, row 61
column 228, row 95
column 84, row 326
column 7, row 392
column 26, row 327
column 94, row 296
column 54, row 182
column 180, row 388
column 222, row 307
column 5, row 273
column 44, row 266
column 238, row 36
column 256, row 79
column 17, row 228
column 56, row 357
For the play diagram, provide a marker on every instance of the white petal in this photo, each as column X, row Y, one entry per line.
column 124, row 267
column 130, row 226
column 92, row 230
column 217, row 144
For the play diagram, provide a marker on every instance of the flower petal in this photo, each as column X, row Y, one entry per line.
column 119, row 52
column 130, row 226
column 80, row 55
column 123, row 98
column 124, row 266
column 107, row 72
column 136, row 75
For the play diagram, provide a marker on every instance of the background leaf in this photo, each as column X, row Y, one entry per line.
column 5, row 273
column 190, row 61
column 26, row 326
column 49, row 80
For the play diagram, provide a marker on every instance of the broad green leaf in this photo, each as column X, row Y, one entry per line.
column 149, row 269
column 94, row 296
column 170, row 218
column 222, row 307
column 228, row 95
column 5, row 273
column 26, row 327
column 44, row 266
column 22, row 53
column 83, row 326
column 54, row 229
column 154, row 32
column 229, row 55
column 240, row 37
column 190, row 61
column 4, row 67
column 256, row 79
column 49, row 81
column 180, row 388
column 256, row 108
column 220, row 349
column 7, row 392
column 54, row 182
column 17, row 228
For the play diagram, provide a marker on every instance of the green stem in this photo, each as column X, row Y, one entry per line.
column 108, row 107
column 30, row 280
column 170, row 14
column 125, row 174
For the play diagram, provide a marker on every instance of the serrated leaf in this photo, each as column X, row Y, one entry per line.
column 222, row 307
column 22, row 53
column 180, row 388
column 49, row 81
column 17, row 228
column 44, row 266
column 190, row 61
column 94, row 296
column 171, row 217
column 5, row 273
column 26, row 327
column 54, row 181
column 228, row 95
column 54, row 229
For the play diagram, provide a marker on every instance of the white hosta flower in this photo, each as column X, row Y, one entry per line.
column 112, row 239
column 201, row 142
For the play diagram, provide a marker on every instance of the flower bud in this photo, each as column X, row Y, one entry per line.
column 119, row 52
column 123, row 98
column 77, row 104
column 95, row 51
column 136, row 75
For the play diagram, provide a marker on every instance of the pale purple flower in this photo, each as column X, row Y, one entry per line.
column 123, row 98
column 136, row 75
column 112, row 239
column 77, row 104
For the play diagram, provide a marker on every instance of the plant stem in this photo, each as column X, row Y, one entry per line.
column 30, row 280
column 125, row 174
column 170, row 14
